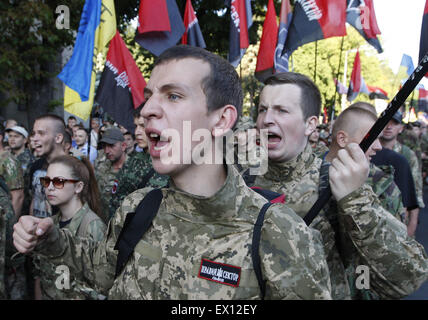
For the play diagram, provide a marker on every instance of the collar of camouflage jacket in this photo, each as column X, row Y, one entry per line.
column 222, row 205
column 74, row 224
column 293, row 169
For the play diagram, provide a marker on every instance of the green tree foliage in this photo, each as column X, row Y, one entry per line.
column 30, row 43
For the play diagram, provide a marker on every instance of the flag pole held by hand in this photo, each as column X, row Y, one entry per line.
column 377, row 128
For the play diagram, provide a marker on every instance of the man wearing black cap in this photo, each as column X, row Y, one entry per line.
column 388, row 139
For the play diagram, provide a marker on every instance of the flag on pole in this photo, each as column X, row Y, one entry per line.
column 356, row 84
column 377, row 93
column 121, row 86
column 361, row 15
column 423, row 100
column 407, row 64
column 241, row 20
column 153, row 32
column 423, row 44
column 281, row 60
column 266, row 54
column 97, row 27
column 341, row 89
column 193, row 34
column 315, row 20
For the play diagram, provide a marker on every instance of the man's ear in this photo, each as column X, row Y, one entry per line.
column 59, row 138
column 342, row 139
column 223, row 120
column 311, row 125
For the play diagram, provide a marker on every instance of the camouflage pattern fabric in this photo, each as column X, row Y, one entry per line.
column 26, row 159
column 409, row 140
column 12, row 276
column 424, row 149
column 10, row 170
column 47, row 271
column 415, row 168
column 319, row 149
column 167, row 260
column 131, row 176
column 367, row 234
column 381, row 179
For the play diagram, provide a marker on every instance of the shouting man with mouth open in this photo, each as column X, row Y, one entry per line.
column 356, row 231
column 198, row 245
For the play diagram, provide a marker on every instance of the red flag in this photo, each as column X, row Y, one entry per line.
column 357, row 84
column 266, row 55
column 193, row 35
column 240, row 22
column 315, row 20
column 153, row 17
column 162, row 25
column 122, row 84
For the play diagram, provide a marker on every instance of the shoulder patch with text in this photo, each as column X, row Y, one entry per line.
column 220, row 272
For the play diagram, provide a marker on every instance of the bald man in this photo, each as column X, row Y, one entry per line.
column 351, row 126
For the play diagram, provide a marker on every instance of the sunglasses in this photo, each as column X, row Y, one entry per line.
column 58, row 183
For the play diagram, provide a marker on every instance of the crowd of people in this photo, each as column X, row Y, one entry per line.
column 104, row 206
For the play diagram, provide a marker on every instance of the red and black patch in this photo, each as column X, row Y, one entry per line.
column 220, row 272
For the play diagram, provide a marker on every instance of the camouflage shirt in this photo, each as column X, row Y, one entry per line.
column 166, row 262
column 319, row 149
column 7, row 220
column 366, row 233
column 415, row 168
column 11, row 171
column 26, row 159
column 132, row 177
column 94, row 231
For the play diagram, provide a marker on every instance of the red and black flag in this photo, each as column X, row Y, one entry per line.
column 423, row 44
column 240, row 21
column 121, row 85
column 193, row 34
column 285, row 16
column 356, row 84
column 265, row 57
column 315, row 20
column 160, row 25
column 361, row 15
column 377, row 93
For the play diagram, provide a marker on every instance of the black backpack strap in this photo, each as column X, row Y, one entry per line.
column 248, row 178
column 255, row 255
column 135, row 226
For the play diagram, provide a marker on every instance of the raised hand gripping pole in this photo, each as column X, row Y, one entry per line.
column 377, row 128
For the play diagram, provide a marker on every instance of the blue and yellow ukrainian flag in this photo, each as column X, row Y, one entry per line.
column 97, row 27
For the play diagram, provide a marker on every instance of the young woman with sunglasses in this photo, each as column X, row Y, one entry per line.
column 70, row 185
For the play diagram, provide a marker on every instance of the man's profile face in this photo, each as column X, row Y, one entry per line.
column 140, row 133
column 364, row 126
column 114, row 151
column 174, row 96
column 280, row 113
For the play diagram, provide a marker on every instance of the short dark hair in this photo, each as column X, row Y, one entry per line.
column 221, row 87
column 310, row 97
column 59, row 126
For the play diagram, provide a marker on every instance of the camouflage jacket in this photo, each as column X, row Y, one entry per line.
column 381, row 179
column 416, row 170
column 77, row 290
column 366, row 233
column 166, row 263
column 26, row 159
column 409, row 140
column 7, row 220
column 319, row 149
column 11, row 171
column 131, row 178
